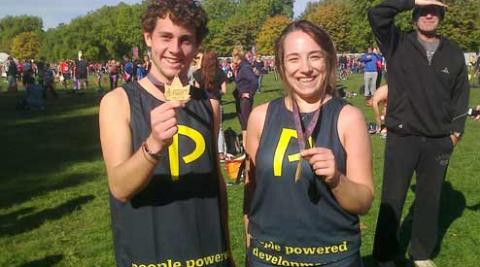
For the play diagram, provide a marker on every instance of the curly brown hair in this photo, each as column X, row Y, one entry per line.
column 187, row 13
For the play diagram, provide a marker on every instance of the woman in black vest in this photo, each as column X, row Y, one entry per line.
column 301, row 209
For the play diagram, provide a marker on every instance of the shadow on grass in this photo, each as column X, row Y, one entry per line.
column 21, row 194
column 475, row 207
column 229, row 116
column 452, row 205
column 33, row 221
column 47, row 261
column 37, row 152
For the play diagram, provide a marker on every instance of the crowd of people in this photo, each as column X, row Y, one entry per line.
column 308, row 154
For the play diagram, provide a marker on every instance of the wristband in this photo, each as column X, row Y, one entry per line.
column 155, row 156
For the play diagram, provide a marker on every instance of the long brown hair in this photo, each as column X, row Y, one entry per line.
column 321, row 37
column 209, row 70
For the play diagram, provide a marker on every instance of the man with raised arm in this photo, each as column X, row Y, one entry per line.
column 427, row 96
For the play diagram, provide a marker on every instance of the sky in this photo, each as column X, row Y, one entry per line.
column 54, row 12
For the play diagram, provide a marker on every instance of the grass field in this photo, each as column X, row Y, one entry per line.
column 54, row 207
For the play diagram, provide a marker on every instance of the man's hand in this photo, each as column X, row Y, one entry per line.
column 429, row 2
column 454, row 139
column 164, row 125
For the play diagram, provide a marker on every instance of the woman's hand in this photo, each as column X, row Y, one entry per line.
column 323, row 164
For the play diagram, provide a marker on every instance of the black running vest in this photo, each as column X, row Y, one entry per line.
column 298, row 224
column 175, row 220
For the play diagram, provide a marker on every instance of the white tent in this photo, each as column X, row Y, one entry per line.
column 3, row 57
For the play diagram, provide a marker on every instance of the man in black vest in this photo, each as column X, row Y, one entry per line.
column 167, row 194
column 428, row 94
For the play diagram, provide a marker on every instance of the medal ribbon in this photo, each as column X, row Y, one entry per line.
column 156, row 82
column 302, row 135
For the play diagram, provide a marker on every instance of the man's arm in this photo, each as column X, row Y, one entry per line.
column 379, row 96
column 130, row 171
column 365, row 58
column 382, row 21
column 460, row 104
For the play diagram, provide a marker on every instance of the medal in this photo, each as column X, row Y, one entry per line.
column 176, row 91
column 302, row 135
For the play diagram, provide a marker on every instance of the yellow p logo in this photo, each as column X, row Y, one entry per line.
column 173, row 149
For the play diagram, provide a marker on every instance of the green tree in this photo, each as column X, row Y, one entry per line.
column 242, row 22
column 11, row 26
column 335, row 17
column 26, row 45
column 462, row 24
column 269, row 32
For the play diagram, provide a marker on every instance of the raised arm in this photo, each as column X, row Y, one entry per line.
column 382, row 21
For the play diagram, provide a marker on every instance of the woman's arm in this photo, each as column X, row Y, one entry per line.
column 354, row 189
column 254, row 131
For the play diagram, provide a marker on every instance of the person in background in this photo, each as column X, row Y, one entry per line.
column 113, row 73
column 81, row 73
column 196, row 65
column 428, row 93
column 380, row 98
column 212, row 79
column 477, row 118
column 11, row 70
column 369, row 61
column 49, row 81
column 309, row 167
column 246, row 85
column 64, row 70
column 380, row 66
column 259, row 67
column 128, row 69
column 34, row 93
column 141, row 71
column 147, row 64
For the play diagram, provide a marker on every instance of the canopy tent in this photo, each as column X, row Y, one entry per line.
column 3, row 57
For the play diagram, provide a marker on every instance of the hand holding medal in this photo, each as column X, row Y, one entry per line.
column 323, row 164
column 163, row 118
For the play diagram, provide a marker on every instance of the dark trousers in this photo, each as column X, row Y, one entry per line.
column 244, row 107
column 404, row 155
